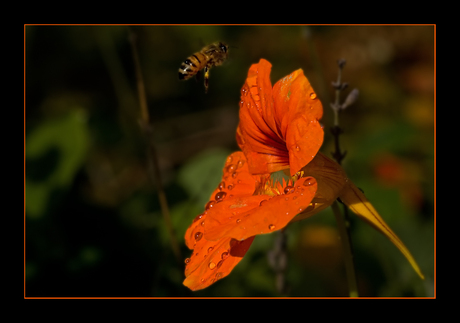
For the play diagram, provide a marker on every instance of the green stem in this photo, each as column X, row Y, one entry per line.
column 346, row 246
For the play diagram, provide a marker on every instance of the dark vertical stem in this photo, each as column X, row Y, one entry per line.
column 278, row 260
column 152, row 159
column 343, row 222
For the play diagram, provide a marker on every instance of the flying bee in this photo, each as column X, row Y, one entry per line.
column 211, row 55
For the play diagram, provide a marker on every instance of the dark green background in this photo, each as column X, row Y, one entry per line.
column 93, row 225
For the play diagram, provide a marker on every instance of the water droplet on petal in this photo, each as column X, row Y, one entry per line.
column 198, row 236
column 231, row 168
column 187, row 260
column 202, row 223
column 210, row 204
column 271, row 227
column 203, row 280
column 224, row 255
column 289, row 189
column 309, row 181
column 212, row 265
column 199, row 216
column 313, row 95
column 229, row 159
column 262, row 202
column 210, row 249
column 240, row 163
column 219, row 264
column 221, row 186
column 238, row 220
column 297, row 148
column 235, row 174
column 220, row 196
column 230, row 187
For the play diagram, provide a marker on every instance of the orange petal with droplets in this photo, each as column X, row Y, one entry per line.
column 298, row 110
column 243, row 217
column 257, row 133
column 278, row 127
column 213, row 260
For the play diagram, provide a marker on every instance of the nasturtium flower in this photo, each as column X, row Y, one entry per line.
column 279, row 131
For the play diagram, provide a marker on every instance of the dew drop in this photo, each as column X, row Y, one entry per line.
column 262, row 202
column 224, row 255
column 313, row 95
column 212, row 265
column 294, row 197
column 199, row 216
column 198, row 236
column 202, row 223
column 231, row 168
column 210, row 204
column 229, row 159
column 240, row 163
column 221, row 186
column 235, row 174
column 289, row 189
column 309, row 181
column 230, row 187
column 219, row 264
column 210, row 249
column 203, row 280
column 271, row 227
column 187, row 260
column 220, row 196
column 297, row 148
column 238, row 220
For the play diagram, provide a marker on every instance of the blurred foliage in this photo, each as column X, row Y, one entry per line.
column 93, row 222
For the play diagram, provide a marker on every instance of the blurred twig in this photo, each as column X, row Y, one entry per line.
column 343, row 222
column 277, row 259
column 154, row 170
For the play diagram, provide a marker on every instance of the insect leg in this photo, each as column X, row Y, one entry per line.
column 206, row 79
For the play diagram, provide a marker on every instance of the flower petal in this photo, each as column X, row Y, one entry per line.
column 359, row 204
column 298, row 110
column 331, row 179
column 258, row 134
column 243, row 217
column 213, row 260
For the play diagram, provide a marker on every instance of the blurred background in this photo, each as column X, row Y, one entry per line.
column 93, row 224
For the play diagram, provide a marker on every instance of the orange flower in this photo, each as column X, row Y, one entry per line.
column 278, row 126
column 278, row 130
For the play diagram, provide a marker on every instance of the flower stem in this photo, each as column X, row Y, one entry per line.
column 342, row 221
column 347, row 251
column 154, row 169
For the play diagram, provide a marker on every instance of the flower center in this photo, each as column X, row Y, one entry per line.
column 277, row 183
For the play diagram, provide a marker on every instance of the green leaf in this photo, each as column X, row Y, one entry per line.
column 55, row 150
